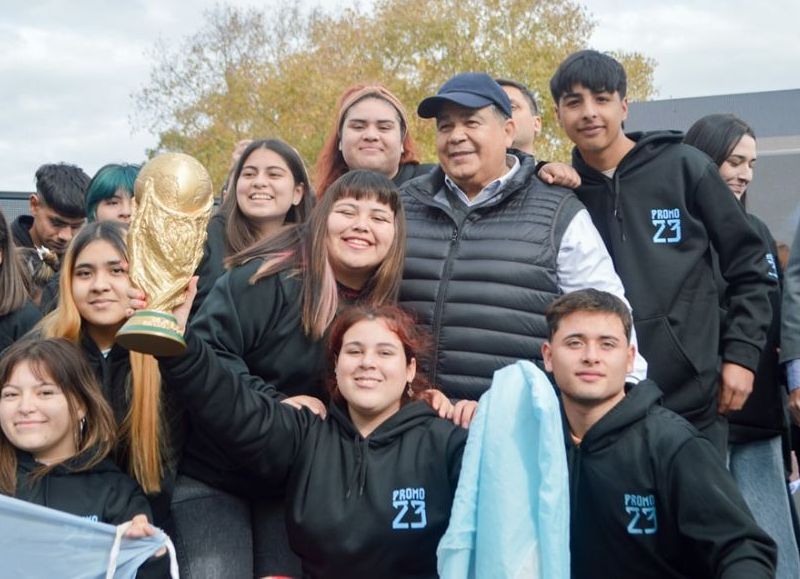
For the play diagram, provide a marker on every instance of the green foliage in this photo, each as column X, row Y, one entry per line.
column 252, row 74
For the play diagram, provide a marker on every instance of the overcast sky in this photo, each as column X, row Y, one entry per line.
column 69, row 67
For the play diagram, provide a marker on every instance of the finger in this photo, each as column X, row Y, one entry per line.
column 191, row 291
column 738, row 400
column 470, row 415
column 725, row 396
column 322, row 411
column 458, row 414
column 292, row 403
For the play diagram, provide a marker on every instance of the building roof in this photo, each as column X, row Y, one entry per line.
column 770, row 113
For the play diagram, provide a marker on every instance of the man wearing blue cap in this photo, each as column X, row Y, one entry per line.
column 489, row 244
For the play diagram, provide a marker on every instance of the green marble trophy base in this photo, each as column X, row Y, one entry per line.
column 152, row 332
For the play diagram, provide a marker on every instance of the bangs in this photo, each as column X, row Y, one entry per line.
column 365, row 185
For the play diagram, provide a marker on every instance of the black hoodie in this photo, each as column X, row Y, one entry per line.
column 253, row 334
column 356, row 507
column 21, row 229
column 650, row 497
column 102, row 493
column 764, row 414
column 659, row 215
column 16, row 324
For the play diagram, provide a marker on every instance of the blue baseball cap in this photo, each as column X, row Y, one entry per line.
column 473, row 90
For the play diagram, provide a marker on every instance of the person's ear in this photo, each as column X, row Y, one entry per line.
column 547, row 356
column 35, row 203
column 631, row 358
column 537, row 125
column 297, row 194
column 411, row 370
column 510, row 129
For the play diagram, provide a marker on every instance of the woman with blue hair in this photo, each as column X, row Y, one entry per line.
column 109, row 196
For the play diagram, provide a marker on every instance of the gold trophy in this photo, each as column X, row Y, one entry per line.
column 174, row 198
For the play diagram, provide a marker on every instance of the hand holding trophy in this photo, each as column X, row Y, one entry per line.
column 174, row 199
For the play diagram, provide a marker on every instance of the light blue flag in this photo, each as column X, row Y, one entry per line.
column 510, row 517
column 36, row 541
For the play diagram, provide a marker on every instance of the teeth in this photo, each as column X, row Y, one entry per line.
column 359, row 242
column 262, row 196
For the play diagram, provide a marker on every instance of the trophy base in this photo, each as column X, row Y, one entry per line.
column 152, row 332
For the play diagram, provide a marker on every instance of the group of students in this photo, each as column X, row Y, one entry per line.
column 301, row 433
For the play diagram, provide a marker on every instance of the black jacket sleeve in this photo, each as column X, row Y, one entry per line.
column 259, row 432
column 713, row 520
column 743, row 264
column 235, row 318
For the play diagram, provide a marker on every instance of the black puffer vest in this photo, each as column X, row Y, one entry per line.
column 482, row 281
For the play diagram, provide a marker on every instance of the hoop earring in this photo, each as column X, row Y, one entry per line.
column 82, row 426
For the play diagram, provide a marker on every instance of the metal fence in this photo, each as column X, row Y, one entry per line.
column 13, row 204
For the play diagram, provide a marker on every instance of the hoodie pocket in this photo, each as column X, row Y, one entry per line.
column 669, row 366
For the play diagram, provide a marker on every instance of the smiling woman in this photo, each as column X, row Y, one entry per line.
column 370, row 488
column 272, row 190
column 261, row 326
column 755, row 432
column 56, row 433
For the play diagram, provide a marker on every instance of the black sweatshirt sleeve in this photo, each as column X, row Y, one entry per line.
column 719, row 533
column 743, row 264
column 233, row 318
column 258, row 431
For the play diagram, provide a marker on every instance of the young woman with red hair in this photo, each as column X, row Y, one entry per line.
column 371, row 132
column 369, row 489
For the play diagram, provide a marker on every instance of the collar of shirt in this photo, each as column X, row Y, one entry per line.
column 486, row 194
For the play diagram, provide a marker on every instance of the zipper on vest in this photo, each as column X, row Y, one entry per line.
column 439, row 305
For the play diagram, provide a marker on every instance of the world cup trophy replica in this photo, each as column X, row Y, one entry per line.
column 174, row 199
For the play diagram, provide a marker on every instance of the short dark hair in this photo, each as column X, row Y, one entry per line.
column 592, row 69
column 526, row 92
column 588, row 300
column 62, row 188
column 717, row 135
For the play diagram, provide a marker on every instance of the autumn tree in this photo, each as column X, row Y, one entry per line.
column 252, row 74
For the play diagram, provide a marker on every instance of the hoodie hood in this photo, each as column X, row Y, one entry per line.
column 647, row 146
column 28, row 464
column 21, row 230
column 635, row 406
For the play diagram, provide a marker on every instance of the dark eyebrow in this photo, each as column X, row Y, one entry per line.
column 91, row 265
column 583, row 336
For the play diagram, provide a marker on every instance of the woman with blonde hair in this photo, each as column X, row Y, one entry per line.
column 91, row 308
